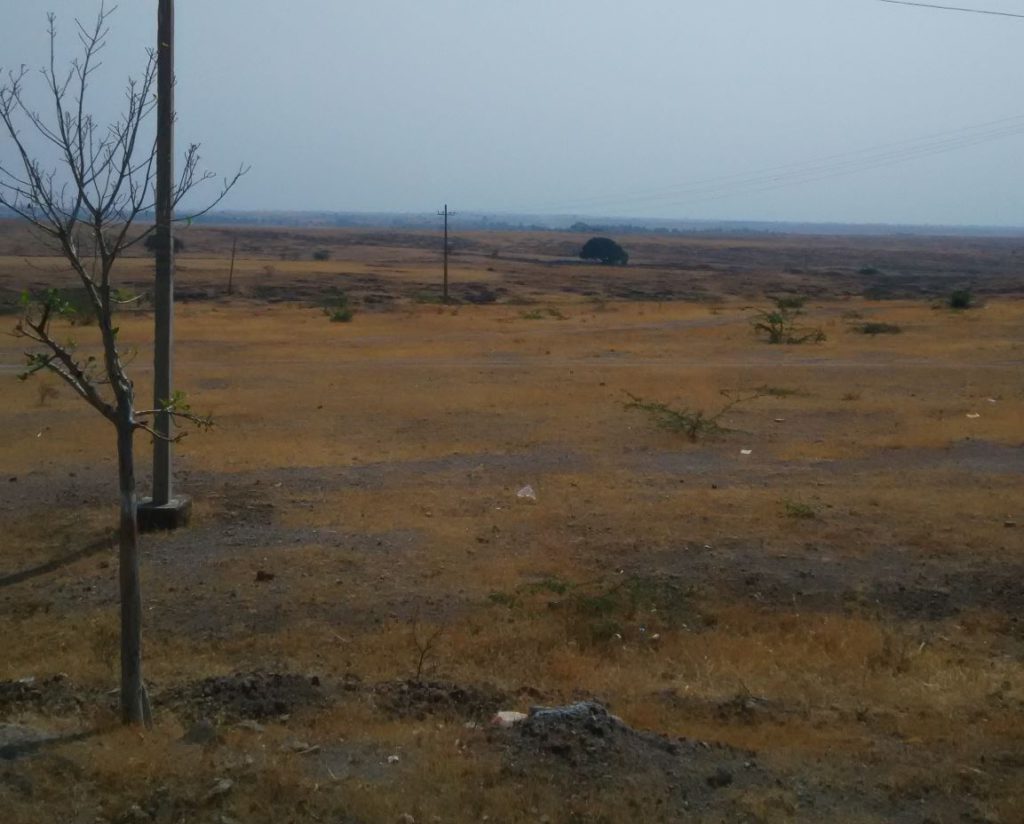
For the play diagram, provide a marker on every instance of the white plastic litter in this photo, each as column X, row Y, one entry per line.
column 393, row 759
column 527, row 493
column 973, row 415
column 507, row 718
column 746, row 451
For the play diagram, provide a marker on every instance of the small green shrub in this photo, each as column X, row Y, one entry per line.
column 879, row 329
column 693, row 423
column 503, row 599
column 555, row 586
column 428, row 297
column 868, row 270
column 960, row 299
column 779, row 325
column 791, row 303
column 542, row 314
column 322, row 254
column 336, row 307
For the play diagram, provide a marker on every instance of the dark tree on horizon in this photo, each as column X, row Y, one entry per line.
column 605, row 250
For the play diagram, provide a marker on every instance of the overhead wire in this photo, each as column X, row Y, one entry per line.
column 790, row 174
column 953, row 8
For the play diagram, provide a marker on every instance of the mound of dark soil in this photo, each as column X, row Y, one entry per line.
column 254, row 695
column 418, row 699
column 586, row 733
column 590, row 750
column 55, row 695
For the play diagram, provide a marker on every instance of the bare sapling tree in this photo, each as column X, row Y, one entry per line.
column 91, row 197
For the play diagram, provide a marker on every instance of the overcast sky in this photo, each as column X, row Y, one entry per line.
column 586, row 106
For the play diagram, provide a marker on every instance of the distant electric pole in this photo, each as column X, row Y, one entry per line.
column 231, row 271
column 445, row 214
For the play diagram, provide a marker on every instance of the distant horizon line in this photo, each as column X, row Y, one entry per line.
column 414, row 218
column 618, row 221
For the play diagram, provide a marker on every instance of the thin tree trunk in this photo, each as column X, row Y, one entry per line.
column 134, row 701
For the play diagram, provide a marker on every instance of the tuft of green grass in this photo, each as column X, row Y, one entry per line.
column 800, row 511
column 778, row 391
column 428, row 298
column 554, row 586
column 542, row 314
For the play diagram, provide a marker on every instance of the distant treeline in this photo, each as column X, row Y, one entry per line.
column 582, row 224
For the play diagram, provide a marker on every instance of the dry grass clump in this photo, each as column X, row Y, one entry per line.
column 681, row 583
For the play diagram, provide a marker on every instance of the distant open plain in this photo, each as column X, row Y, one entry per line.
column 820, row 606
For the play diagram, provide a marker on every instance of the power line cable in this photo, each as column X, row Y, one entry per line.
column 808, row 171
column 953, row 8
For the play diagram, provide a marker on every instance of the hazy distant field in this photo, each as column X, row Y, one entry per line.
column 829, row 594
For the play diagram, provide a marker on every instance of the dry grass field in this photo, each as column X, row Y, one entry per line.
column 816, row 613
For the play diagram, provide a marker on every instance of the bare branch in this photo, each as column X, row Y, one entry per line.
column 59, row 359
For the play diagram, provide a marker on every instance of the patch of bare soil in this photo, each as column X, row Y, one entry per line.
column 419, row 699
column 890, row 581
column 245, row 696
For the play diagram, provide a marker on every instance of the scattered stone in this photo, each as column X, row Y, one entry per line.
column 527, row 493
column 202, row 733
column 1009, row 524
column 300, row 747
column 406, row 818
column 262, row 576
column 134, row 813
column 220, row 788
column 250, row 726
column 350, row 682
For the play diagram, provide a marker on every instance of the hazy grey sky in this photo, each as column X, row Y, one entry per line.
column 580, row 105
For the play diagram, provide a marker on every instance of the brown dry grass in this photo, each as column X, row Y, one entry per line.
column 390, row 426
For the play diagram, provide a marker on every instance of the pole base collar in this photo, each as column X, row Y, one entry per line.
column 174, row 514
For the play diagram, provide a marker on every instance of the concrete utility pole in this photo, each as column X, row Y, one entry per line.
column 446, row 214
column 164, row 510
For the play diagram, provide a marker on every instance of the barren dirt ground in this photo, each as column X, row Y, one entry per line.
column 814, row 614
